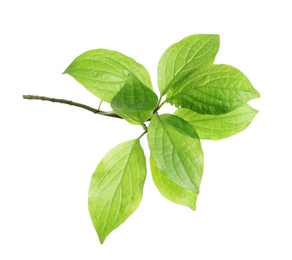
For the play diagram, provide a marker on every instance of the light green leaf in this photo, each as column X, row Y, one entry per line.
column 212, row 89
column 116, row 187
column 134, row 102
column 176, row 150
column 104, row 72
column 186, row 55
column 216, row 127
column 170, row 190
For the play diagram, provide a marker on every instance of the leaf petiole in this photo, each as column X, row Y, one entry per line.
column 145, row 132
column 99, row 106
column 145, row 127
column 159, row 105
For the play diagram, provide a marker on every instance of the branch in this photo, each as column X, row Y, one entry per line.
column 71, row 103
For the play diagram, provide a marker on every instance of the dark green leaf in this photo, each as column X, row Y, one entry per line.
column 134, row 102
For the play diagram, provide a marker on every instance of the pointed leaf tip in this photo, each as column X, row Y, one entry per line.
column 134, row 102
column 186, row 55
column 216, row 127
column 212, row 89
column 116, row 187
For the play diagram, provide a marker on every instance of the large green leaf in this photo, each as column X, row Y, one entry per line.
column 116, row 187
column 170, row 190
column 134, row 102
column 216, row 127
column 186, row 55
column 104, row 72
column 212, row 89
column 176, row 150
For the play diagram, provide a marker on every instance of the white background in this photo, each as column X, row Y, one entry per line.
column 49, row 151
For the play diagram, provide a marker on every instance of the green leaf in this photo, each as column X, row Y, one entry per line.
column 212, row 89
column 170, row 190
column 116, row 187
column 134, row 102
column 216, row 127
column 176, row 150
column 104, row 72
column 186, row 55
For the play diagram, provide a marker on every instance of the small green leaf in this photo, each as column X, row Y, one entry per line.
column 134, row 102
column 116, row 187
column 216, row 127
column 186, row 55
column 170, row 190
column 176, row 150
column 212, row 89
column 104, row 72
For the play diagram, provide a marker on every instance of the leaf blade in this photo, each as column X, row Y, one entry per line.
column 212, row 89
column 185, row 55
column 216, row 127
column 134, row 102
column 170, row 190
column 176, row 149
column 104, row 72
column 116, row 187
